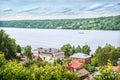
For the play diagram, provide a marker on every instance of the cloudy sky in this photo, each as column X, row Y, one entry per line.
column 57, row 9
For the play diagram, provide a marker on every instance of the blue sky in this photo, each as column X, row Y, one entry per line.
column 57, row 9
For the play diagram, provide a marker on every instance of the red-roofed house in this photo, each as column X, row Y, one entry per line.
column 74, row 65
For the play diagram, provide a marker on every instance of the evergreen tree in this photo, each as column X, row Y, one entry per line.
column 18, row 49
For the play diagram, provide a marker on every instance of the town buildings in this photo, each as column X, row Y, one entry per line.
column 47, row 54
column 78, row 60
column 81, row 57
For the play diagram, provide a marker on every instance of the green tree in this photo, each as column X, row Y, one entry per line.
column 2, row 59
column 90, row 67
column 73, row 49
column 67, row 49
column 102, row 55
column 18, row 49
column 78, row 49
column 27, row 52
column 106, row 73
column 52, row 72
column 14, row 71
column 7, row 45
column 97, row 59
column 86, row 49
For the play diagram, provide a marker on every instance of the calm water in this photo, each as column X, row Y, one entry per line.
column 56, row 38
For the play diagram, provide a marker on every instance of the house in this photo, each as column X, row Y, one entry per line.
column 48, row 54
column 37, row 57
column 83, row 74
column 77, row 67
column 20, row 55
column 81, row 57
column 74, row 65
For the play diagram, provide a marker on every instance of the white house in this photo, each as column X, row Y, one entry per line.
column 48, row 54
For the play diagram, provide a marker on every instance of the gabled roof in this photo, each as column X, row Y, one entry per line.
column 80, row 55
column 74, row 64
column 47, row 50
column 82, row 72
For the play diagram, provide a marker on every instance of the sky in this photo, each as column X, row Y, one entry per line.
column 57, row 9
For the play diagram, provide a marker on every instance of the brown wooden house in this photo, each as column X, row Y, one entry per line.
column 83, row 74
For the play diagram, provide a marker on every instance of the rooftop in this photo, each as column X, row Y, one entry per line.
column 80, row 55
column 47, row 50
column 75, row 64
column 82, row 72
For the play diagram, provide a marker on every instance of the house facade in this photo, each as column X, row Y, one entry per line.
column 77, row 68
column 81, row 57
column 48, row 54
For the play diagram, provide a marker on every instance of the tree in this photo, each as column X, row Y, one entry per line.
column 18, row 49
column 106, row 73
column 86, row 49
column 7, row 45
column 2, row 59
column 34, row 70
column 27, row 52
column 90, row 67
column 67, row 49
column 78, row 49
column 14, row 71
column 102, row 55
column 73, row 49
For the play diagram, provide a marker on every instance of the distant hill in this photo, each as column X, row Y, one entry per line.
column 102, row 23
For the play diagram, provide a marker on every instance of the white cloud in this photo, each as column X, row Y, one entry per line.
column 95, row 5
column 35, row 9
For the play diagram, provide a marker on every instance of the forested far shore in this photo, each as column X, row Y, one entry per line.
column 102, row 23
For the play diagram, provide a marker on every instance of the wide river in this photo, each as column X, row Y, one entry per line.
column 56, row 38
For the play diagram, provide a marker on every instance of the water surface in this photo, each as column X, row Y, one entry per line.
column 56, row 38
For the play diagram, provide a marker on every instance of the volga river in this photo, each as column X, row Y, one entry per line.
column 56, row 38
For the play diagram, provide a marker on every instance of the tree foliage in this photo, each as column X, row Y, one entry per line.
column 27, row 52
column 13, row 70
column 102, row 23
column 86, row 49
column 7, row 45
column 90, row 68
column 67, row 49
column 103, row 54
column 78, row 49
column 106, row 73
column 2, row 59
column 18, row 49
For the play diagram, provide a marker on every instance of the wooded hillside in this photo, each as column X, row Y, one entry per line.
column 102, row 23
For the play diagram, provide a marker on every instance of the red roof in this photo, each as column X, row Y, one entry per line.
column 116, row 68
column 74, row 64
